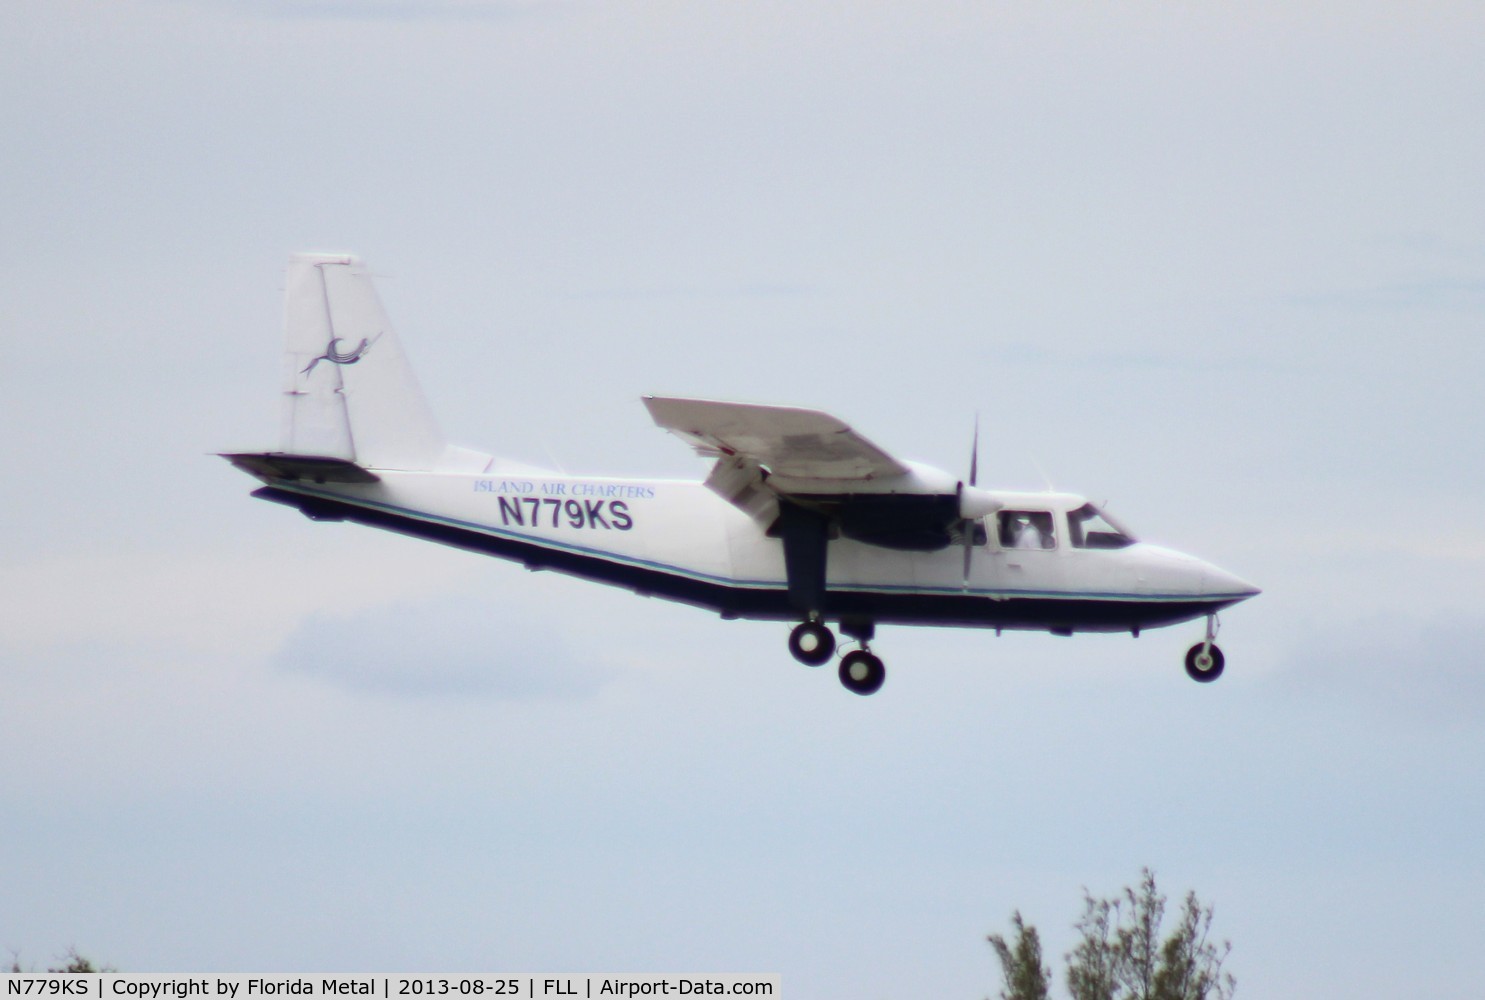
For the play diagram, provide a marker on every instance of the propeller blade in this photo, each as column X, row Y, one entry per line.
column 967, row 526
column 974, row 454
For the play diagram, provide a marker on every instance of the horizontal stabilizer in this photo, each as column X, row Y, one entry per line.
column 270, row 466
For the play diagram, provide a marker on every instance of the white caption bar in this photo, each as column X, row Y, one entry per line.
column 487, row 986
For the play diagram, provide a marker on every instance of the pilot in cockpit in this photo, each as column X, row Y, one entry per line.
column 1026, row 529
column 1028, row 535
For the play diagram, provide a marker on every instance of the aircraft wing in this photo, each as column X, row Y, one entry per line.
column 769, row 454
column 788, row 442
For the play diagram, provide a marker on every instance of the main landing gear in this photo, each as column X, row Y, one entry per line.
column 1204, row 661
column 812, row 642
column 861, row 671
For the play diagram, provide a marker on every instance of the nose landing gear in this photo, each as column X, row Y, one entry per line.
column 1204, row 661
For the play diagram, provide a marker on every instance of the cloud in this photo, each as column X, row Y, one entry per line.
column 233, row 596
column 761, row 290
column 1424, row 671
column 396, row 10
column 1034, row 355
column 1428, row 293
column 458, row 647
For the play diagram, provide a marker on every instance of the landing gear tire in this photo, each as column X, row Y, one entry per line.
column 1204, row 662
column 862, row 672
column 812, row 643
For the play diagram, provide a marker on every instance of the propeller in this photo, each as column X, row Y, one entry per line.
column 966, row 524
column 974, row 454
column 975, row 504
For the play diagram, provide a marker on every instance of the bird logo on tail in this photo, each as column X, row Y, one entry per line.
column 337, row 358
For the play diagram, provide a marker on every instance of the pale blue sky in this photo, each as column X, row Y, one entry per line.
column 1223, row 268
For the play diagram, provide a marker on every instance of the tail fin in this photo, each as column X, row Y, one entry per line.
column 349, row 392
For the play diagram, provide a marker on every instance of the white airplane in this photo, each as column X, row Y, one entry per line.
column 801, row 518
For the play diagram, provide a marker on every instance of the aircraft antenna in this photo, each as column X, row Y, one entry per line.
column 1046, row 479
column 551, row 457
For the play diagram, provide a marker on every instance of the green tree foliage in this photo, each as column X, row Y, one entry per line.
column 1120, row 954
column 1025, row 976
column 71, row 962
column 1190, row 963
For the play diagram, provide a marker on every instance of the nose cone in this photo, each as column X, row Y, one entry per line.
column 1162, row 570
column 1220, row 583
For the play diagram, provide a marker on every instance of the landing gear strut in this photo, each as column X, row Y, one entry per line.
column 1204, row 661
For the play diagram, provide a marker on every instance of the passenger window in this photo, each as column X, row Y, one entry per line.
column 1026, row 529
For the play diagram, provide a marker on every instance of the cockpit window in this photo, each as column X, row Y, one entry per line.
column 1089, row 528
column 1026, row 529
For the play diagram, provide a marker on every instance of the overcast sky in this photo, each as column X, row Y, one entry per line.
column 1223, row 268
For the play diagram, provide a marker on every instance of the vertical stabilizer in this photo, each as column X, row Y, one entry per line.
column 349, row 392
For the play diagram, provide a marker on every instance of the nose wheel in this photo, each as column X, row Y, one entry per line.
column 1204, row 661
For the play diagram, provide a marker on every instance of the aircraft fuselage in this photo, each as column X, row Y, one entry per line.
column 679, row 540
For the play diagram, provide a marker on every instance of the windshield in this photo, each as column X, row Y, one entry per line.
column 1089, row 528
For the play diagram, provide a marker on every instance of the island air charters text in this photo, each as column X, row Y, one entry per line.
column 155, row 986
